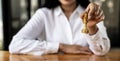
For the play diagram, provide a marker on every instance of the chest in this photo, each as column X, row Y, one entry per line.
column 59, row 29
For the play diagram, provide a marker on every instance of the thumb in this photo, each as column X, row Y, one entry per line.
column 83, row 14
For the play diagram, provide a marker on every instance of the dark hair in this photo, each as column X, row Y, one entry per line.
column 54, row 3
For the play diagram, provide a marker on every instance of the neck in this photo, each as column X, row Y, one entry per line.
column 69, row 8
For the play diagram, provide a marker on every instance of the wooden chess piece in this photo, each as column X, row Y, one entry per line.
column 85, row 21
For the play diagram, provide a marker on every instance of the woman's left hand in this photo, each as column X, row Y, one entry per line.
column 95, row 15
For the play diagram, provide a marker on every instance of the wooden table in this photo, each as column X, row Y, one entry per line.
column 113, row 55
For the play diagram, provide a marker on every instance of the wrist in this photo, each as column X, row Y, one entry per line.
column 93, row 29
column 61, row 47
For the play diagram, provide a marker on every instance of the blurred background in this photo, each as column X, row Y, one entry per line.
column 15, row 13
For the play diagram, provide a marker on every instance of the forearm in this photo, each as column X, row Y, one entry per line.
column 99, row 43
column 74, row 49
column 33, row 47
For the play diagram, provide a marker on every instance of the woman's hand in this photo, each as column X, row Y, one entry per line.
column 95, row 15
column 74, row 49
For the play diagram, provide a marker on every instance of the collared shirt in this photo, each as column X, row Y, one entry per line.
column 49, row 27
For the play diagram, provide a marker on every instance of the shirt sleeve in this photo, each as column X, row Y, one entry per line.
column 99, row 43
column 26, row 42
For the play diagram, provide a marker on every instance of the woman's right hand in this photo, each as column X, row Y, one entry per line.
column 74, row 49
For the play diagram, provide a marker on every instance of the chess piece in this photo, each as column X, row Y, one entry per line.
column 85, row 21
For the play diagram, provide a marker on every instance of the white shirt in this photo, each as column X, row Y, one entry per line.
column 49, row 27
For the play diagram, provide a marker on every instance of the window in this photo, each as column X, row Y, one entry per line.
column 1, row 27
column 112, row 19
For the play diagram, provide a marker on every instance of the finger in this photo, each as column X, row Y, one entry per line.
column 81, row 52
column 87, row 9
column 85, row 52
column 84, row 49
column 87, row 49
column 98, row 10
column 100, row 14
column 93, row 9
column 77, row 52
column 82, row 15
column 74, row 52
column 101, row 18
column 90, row 13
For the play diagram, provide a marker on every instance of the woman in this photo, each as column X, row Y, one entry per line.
column 57, row 27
